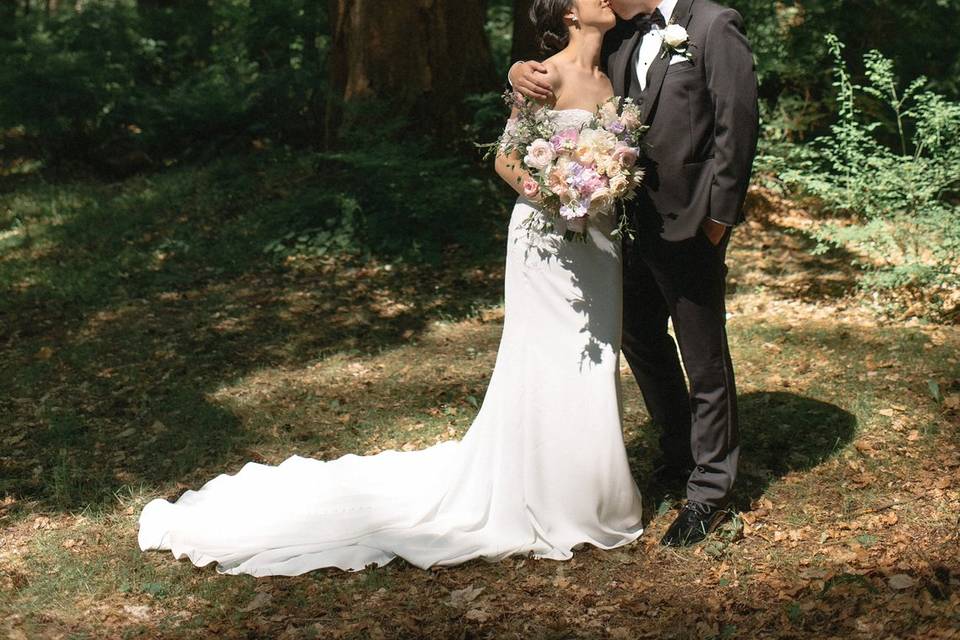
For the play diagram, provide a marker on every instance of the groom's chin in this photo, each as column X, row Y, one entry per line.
column 625, row 15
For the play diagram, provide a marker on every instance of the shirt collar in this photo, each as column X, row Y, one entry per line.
column 666, row 8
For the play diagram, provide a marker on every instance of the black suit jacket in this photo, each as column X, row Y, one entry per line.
column 703, row 120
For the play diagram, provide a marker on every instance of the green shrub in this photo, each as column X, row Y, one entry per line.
column 891, row 167
column 124, row 89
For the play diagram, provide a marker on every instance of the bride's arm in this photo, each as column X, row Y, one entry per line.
column 510, row 167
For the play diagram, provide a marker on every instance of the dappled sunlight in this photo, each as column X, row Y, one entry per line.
column 354, row 403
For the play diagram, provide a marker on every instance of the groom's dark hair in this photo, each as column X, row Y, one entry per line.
column 547, row 17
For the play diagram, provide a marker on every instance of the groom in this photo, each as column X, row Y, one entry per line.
column 699, row 98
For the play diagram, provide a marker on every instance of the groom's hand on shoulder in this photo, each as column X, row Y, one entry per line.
column 530, row 79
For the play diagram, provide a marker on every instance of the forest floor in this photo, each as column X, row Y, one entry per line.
column 846, row 520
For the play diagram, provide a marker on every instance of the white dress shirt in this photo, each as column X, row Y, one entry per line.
column 651, row 44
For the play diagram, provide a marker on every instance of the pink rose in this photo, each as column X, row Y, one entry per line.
column 530, row 188
column 565, row 140
column 626, row 156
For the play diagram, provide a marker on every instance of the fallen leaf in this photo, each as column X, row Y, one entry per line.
column 260, row 600
column 463, row 597
column 900, row 581
column 477, row 615
column 138, row 611
column 561, row 582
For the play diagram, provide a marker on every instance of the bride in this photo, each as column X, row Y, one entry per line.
column 541, row 471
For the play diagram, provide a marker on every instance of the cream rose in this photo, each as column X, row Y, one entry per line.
column 630, row 118
column 600, row 200
column 539, row 155
column 608, row 113
column 619, row 185
column 594, row 143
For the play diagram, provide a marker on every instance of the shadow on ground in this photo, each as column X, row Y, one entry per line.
column 780, row 433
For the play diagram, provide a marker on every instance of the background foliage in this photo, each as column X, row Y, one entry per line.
column 112, row 88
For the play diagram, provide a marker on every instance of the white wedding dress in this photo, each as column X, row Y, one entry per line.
column 541, row 470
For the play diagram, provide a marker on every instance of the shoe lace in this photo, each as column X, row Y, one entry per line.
column 697, row 507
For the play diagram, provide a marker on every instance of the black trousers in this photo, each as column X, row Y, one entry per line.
column 684, row 281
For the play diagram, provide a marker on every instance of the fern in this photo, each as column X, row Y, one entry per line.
column 903, row 195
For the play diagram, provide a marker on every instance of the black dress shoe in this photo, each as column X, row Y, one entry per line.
column 695, row 522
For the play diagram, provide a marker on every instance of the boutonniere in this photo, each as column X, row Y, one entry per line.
column 676, row 41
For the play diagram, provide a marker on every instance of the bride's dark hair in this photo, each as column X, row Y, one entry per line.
column 547, row 17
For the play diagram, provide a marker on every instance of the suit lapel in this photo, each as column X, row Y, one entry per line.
column 620, row 64
column 658, row 70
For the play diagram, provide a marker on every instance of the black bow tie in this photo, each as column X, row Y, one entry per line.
column 645, row 21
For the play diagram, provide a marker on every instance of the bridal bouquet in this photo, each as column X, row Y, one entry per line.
column 576, row 173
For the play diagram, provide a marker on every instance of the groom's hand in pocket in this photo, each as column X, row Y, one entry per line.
column 530, row 79
column 714, row 230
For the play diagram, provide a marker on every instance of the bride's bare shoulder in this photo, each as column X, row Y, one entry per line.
column 554, row 66
column 555, row 76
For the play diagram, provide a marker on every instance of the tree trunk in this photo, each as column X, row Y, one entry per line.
column 524, row 45
column 420, row 57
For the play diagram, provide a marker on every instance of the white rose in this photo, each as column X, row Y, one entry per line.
column 675, row 35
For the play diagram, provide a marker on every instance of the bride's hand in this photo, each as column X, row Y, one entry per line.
column 530, row 79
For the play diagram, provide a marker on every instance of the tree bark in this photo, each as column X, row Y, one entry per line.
column 524, row 45
column 419, row 56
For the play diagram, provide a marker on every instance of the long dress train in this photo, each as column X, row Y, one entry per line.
column 541, row 470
